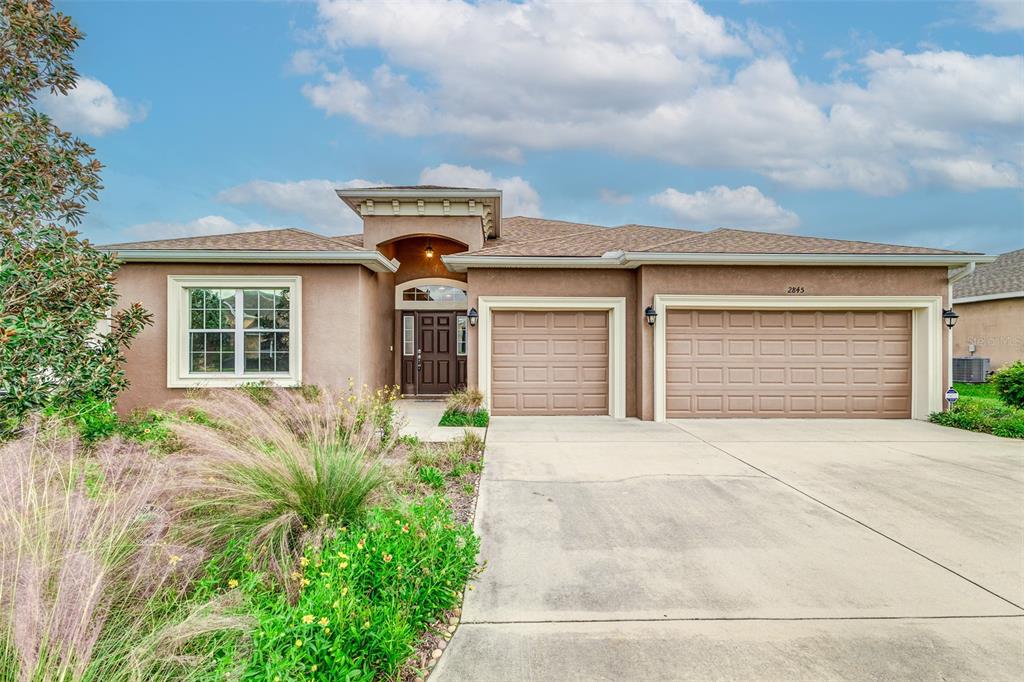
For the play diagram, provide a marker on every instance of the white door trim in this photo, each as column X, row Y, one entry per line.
column 616, row 307
column 926, row 360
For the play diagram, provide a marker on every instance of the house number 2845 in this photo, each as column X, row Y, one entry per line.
column 795, row 290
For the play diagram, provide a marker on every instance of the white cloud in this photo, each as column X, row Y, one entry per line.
column 314, row 201
column 720, row 206
column 518, row 196
column 610, row 196
column 968, row 174
column 211, row 224
column 92, row 108
column 1001, row 15
column 649, row 79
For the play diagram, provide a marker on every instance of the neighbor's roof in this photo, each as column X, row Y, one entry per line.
column 1003, row 278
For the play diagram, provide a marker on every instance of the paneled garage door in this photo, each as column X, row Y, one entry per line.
column 549, row 362
column 744, row 363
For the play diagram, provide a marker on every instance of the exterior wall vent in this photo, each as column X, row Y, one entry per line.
column 970, row 370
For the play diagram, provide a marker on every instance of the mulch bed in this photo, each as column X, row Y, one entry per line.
column 435, row 640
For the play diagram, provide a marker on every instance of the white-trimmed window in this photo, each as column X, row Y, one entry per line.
column 225, row 330
column 461, row 334
column 408, row 334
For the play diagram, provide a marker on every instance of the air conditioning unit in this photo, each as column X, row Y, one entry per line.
column 970, row 370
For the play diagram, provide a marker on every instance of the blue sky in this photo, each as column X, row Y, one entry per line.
column 898, row 122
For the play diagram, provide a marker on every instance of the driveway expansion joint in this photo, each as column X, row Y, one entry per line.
column 623, row 480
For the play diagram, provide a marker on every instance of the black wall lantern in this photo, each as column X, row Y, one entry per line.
column 651, row 314
column 473, row 316
column 429, row 252
column 950, row 317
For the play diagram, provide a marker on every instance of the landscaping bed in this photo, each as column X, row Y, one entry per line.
column 465, row 408
column 256, row 535
column 980, row 408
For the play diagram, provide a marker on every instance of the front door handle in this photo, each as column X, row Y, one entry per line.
column 419, row 359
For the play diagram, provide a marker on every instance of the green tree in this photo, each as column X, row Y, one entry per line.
column 54, row 287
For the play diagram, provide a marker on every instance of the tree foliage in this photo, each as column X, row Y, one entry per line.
column 55, row 288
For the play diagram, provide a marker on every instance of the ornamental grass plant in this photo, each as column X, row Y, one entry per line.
column 277, row 472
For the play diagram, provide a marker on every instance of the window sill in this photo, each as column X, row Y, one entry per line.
column 233, row 381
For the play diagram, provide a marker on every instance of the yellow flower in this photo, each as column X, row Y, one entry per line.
column 298, row 643
column 361, row 543
column 342, row 555
column 323, row 622
column 327, row 631
column 387, row 558
column 296, row 575
column 232, row 584
column 343, row 529
column 344, row 591
column 405, row 528
column 305, row 582
column 335, row 604
column 304, row 561
column 343, row 564
column 308, row 618
column 327, row 585
column 312, row 668
column 173, row 559
column 366, row 624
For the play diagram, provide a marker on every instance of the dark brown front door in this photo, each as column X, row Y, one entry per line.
column 432, row 364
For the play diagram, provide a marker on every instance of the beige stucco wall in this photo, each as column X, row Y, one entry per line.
column 996, row 328
column 345, row 324
column 506, row 282
column 382, row 229
column 773, row 281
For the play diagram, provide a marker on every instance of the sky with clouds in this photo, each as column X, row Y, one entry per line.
column 898, row 122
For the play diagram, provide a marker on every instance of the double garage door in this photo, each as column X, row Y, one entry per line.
column 744, row 363
column 719, row 363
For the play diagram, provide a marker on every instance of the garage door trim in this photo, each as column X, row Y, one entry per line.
column 616, row 307
column 926, row 367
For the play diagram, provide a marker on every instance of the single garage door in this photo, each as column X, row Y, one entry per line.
column 549, row 362
column 744, row 363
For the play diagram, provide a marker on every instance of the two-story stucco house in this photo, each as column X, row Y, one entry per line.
column 547, row 317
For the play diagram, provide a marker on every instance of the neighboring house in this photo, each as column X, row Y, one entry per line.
column 545, row 316
column 990, row 302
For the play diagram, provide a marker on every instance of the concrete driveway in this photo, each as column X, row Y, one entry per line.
column 729, row 549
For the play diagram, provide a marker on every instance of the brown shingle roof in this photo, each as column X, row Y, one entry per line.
column 727, row 240
column 1003, row 276
column 288, row 239
column 522, row 229
column 594, row 241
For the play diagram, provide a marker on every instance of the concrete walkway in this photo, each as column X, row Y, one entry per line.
column 420, row 417
column 745, row 549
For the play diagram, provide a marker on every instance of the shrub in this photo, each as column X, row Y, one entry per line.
column 364, row 595
column 467, row 400
column 94, row 419
column 431, row 476
column 1007, row 422
column 89, row 586
column 278, row 474
column 1009, row 383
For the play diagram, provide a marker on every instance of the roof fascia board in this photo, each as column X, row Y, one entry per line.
column 989, row 297
column 373, row 260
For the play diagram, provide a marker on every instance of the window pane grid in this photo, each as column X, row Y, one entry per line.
column 220, row 341
column 408, row 334
column 434, row 292
column 461, row 335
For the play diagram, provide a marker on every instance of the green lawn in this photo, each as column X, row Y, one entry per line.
column 458, row 418
column 980, row 409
